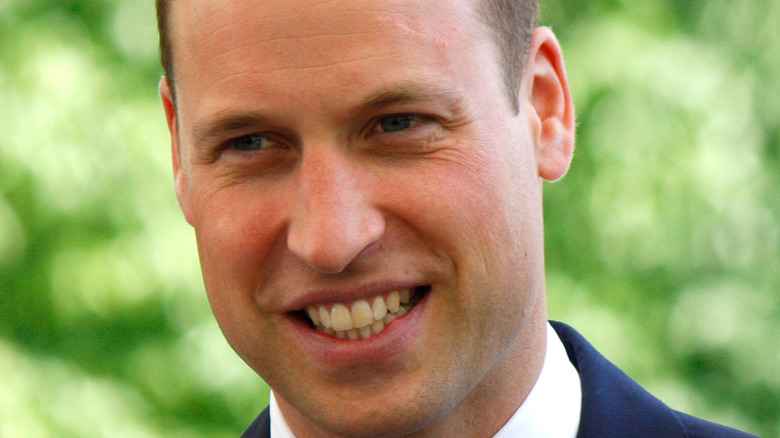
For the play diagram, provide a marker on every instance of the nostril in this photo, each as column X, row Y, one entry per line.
column 328, row 232
column 320, row 250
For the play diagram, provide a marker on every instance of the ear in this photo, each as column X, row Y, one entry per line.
column 547, row 91
column 179, row 178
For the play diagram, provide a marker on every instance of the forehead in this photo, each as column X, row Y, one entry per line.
column 197, row 16
column 306, row 33
column 265, row 50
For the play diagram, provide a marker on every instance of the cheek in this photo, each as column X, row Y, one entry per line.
column 481, row 200
column 483, row 212
column 236, row 230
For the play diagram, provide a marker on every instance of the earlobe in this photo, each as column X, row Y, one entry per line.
column 169, row 106
column 552, row 105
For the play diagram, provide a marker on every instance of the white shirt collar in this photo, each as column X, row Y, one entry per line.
column 279, row 427
column 551, row 410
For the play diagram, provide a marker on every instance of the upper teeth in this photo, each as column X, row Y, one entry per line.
column 362, row 318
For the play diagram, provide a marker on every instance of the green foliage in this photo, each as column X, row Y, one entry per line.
column 663, row 241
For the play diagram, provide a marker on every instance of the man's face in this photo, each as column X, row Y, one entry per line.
column 332, row 153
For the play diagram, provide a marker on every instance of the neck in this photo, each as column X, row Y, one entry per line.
column 505, row 387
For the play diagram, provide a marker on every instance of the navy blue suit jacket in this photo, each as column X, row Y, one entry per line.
column 613, row 405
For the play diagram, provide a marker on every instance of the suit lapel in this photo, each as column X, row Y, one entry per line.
column 261, row 427
column 613, row 405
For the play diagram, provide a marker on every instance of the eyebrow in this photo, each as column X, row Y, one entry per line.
column 227, row 120
column 224, row 121
column 410, row 93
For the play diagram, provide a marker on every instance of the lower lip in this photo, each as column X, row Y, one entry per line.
column 392, row 341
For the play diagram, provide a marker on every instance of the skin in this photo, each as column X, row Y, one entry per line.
column 333, row 208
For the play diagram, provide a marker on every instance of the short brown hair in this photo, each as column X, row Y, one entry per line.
column 511, row 23
column 166, row 51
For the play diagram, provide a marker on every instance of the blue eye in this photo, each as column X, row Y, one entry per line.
column 249, row 143
column 396, row 123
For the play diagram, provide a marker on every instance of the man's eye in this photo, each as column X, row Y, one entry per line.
column 396, row 123
column 250, row 143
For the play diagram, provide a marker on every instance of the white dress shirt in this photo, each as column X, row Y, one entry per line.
column 551, row 410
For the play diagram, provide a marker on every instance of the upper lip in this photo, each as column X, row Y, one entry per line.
column 349, row 293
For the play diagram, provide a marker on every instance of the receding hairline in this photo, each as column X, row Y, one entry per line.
column 510, row 24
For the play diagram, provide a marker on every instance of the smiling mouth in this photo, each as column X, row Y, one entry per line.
column 364, row 318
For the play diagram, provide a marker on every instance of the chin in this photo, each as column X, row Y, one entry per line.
column 394, row 414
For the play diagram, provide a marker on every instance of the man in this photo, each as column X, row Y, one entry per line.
column 365, row 182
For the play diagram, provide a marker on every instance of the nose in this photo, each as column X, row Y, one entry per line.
column 334, row 219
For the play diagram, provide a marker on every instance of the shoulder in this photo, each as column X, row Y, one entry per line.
column 615, row 405
column 698, row 428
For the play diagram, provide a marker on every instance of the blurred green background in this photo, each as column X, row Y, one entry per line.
column 663, row 241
